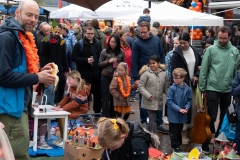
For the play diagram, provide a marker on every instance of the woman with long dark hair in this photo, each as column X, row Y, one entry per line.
column 189, row 58
column 109, row 59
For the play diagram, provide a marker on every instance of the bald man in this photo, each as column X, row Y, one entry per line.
column 16, row 81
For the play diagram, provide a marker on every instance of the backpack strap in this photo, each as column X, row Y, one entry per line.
column 81, row 45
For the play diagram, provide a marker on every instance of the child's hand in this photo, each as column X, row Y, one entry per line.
column 1, row 125
column 151, row 98
column 82, row 98
column 183, row 111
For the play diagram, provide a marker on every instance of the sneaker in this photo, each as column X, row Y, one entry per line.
column 132, row 112
column 58, row 143
column 162, row 129
column 137, row 90
column 132, row 99
column 147, row 120
column 177, row 150
column 165, row 120
column 44, row 145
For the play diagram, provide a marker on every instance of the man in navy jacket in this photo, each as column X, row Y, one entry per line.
column 143, row 48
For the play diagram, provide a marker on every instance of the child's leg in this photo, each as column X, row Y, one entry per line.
column 118, row 115
column 175, row 130
column 42, row 129
column 126, row 115
column 152, row 114
column 61, row 126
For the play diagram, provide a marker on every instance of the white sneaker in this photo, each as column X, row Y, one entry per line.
column 44, row 145
column 147, row 120
column 58, row 143
column 165, row 120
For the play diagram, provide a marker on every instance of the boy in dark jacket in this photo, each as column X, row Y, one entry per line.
column 179, row 99
column 145, row 17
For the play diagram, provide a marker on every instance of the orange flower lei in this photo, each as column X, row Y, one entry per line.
column 120, row 83
column 30, row 51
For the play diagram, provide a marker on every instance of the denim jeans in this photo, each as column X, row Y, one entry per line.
column 71, row 64
column 49, row 92
column 144, row 113
column 133, row 93
column 107, row 98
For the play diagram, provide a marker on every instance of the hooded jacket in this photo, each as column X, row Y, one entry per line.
column 100, row 36
column 144, row 17
column 152, row 85
column 142, row 50
column 218, row 68
column 15, row 83
column 70, row 40
column 178, row 97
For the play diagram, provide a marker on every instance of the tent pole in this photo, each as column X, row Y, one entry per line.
column 192, row 32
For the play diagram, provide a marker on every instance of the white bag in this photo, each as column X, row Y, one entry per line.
column 6, row 152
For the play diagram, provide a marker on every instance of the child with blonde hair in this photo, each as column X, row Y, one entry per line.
column 120, row 88
column 124, row 140
column 74, row 102
column 179, row 99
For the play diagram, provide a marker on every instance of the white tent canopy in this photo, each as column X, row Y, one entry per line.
column 168, row 14
column 109, row 10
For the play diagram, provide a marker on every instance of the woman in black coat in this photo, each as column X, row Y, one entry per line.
column 189, row 58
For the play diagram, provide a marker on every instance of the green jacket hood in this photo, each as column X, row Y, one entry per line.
column 228, row 45
column 98, row 34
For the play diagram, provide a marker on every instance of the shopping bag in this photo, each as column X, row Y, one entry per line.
column 231, row 112
column 229, row 129
column 6, row 152
column 199, row 99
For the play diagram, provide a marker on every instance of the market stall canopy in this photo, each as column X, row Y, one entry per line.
column 168, row 14
column 109, row 10
column 90, row 4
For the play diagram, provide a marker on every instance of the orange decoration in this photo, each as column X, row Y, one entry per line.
column 161, row 27
column 191, row 8
column 197, row 8
column 198, row 30
column 194, row 33
column 30, row 51
column 200, row 33
column 120, row 83
column 197, row 37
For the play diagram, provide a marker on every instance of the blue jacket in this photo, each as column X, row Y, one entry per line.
column 15, row 83
column 178, row 97
column 142, row 50
column 236, row 91
column 144, row 17
column 70, row 41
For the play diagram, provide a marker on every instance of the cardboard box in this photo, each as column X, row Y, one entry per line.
column 80, row 153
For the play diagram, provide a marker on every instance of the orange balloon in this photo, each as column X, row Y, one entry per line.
column 197, row 37
column 197, row 8
column 193, row 37
column 200, row 33
column 198, row 30
column 200, row 11
column 194, row 33
column 191, row 8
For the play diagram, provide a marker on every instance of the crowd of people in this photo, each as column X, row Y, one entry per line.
column 110, row 66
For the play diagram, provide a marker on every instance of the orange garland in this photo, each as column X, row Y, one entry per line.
column 30, row 51
column 120, row 83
